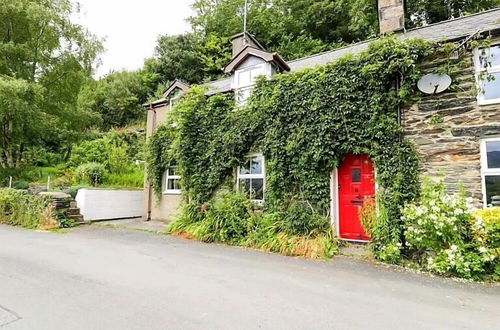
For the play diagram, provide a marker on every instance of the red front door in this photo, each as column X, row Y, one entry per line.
column 356, row 178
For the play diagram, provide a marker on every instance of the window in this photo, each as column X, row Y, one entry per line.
column 244, row 81
column 175, row 99
column 490, row 171
column 172, row 181
column 487, row 62
column 242, row 95
column 251, row 178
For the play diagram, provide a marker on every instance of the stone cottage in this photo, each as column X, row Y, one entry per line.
column 456, row 132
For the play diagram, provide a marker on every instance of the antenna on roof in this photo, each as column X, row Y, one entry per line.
column 245, row 14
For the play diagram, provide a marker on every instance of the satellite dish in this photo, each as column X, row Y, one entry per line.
column 434, row 83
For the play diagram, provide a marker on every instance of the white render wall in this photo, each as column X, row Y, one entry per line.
column 107, row 204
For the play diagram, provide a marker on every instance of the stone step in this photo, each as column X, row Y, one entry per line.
column 73, row 211
column 77, row 218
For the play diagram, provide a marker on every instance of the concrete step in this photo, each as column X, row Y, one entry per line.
column 355, row 249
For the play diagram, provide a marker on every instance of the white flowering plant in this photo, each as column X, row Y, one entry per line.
column 444, row 237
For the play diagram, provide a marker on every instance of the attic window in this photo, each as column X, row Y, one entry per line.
column 245, row 80
column 487, row 62
column 175, row 98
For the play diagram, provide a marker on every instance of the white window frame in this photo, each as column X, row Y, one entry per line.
column 254, row 176
column 168, row 191
column 485, row 171
column 173, row 99
column 481, row 70
column 266, row 71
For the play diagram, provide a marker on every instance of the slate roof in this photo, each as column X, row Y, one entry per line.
column 451, row 30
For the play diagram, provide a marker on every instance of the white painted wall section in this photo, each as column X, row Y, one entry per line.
column 107, row 204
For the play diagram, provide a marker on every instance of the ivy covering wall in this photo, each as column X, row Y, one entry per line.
column 304, row 123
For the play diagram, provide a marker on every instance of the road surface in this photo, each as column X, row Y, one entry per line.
column 104, row 278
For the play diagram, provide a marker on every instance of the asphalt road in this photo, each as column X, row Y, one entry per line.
column 98, row 278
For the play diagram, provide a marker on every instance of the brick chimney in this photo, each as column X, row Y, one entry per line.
column 391, row 15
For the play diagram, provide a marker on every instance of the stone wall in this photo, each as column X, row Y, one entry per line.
column 447, row 128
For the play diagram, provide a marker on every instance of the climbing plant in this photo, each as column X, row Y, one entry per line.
column 304, row 123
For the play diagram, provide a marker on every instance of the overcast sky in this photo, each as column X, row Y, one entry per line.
column 131, row 27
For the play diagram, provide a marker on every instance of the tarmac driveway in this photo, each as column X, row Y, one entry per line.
column 102, row 278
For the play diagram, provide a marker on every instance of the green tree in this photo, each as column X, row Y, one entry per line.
column 179, row 57
column 117, row 98
column 44, row 61
column 433, row 11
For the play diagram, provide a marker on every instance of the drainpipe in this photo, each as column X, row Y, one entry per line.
column 150, row 187
column 400, row 110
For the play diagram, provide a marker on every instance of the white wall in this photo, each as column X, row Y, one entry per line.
column 104, row 204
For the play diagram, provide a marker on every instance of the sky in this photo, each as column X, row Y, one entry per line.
column 131, row 27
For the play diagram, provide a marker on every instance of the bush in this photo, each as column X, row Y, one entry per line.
column 443, row 237
column 230, row 219
column 22, row 185
column 88, row 152
column 18, row 208
column 72, row 191
column 92, row 173
column 131, row 178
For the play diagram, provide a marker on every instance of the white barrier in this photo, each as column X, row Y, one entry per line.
column 107, row 204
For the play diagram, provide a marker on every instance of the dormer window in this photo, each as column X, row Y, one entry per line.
column 245, row 78
column 250, row 60
column 175, row 98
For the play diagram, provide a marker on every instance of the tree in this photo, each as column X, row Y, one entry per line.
column 44, row 61
column 432, row 11
column 297, row 28
column 179, row 57
column 117, row 98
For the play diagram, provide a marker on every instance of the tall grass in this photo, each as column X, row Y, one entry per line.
column 230, row 219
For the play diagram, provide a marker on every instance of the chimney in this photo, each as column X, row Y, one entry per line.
column 241, row 40
column 391, row 14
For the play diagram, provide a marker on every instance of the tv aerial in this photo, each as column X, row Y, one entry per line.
column 434, row 83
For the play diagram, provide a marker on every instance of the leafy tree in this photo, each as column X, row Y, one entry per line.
column 179, row 57
column 297, row 28
column 117, row 98
column 433, row 11
column 44, row 61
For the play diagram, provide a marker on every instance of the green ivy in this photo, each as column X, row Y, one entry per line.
column 304, row 123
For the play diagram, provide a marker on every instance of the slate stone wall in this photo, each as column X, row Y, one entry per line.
column 447, row 128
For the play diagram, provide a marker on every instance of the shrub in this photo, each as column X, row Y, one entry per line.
column 88, row 152
column 18, row 208
column 131, row 178
column 118, row 159
column 23, row 185
column 92, row 173
column 301, row 220
column 443, row 237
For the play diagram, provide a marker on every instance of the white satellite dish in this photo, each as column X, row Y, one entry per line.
column 434, row 83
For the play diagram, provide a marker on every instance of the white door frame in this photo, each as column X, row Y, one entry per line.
column 334, row 202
